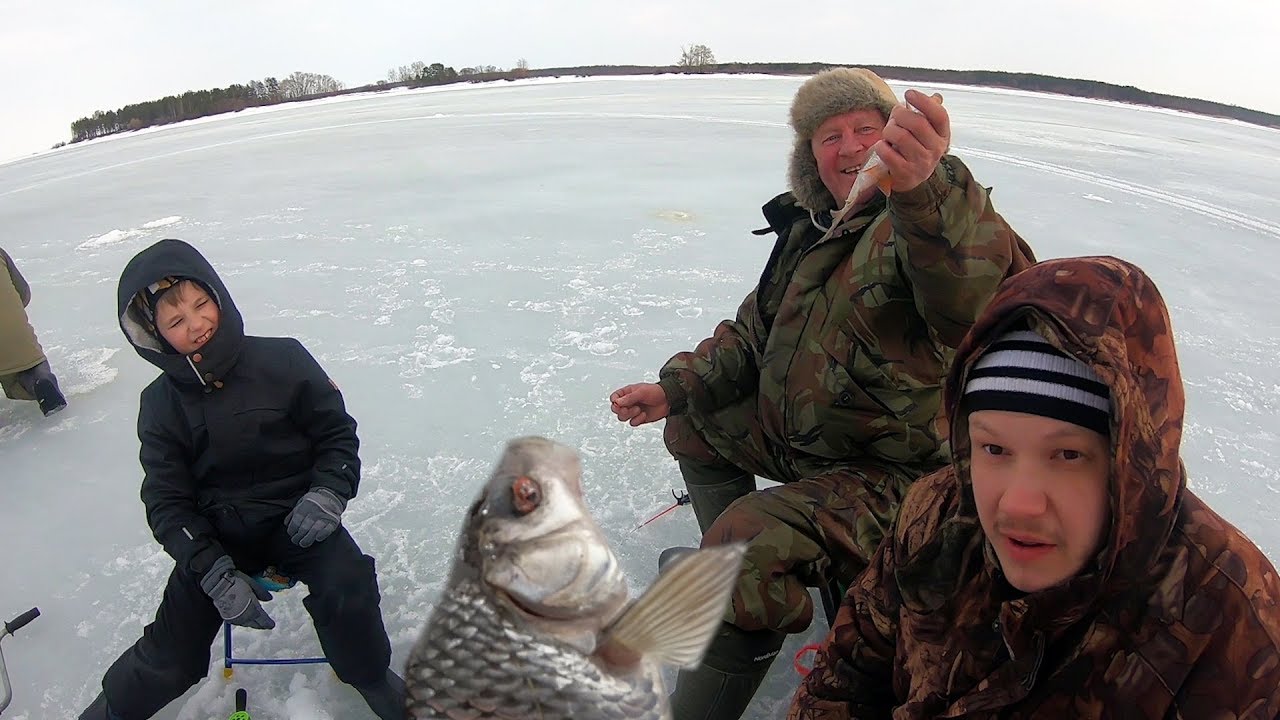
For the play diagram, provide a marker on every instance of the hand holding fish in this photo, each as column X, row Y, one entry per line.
column 911, row 144
column 913, row 141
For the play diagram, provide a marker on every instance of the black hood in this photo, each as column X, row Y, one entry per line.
column 175, row 258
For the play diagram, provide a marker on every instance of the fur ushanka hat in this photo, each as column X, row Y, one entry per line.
column 828, row 93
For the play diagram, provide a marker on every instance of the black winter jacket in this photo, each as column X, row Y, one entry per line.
column 234, row 433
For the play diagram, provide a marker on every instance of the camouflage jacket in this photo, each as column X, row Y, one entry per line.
column 844, row 342
column 1177, row 618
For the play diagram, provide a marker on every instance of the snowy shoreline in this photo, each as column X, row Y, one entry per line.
column 526, row 82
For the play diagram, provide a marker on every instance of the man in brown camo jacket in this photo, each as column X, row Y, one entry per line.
column 1060, row 567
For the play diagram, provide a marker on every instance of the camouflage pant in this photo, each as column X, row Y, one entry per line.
column 821, row 524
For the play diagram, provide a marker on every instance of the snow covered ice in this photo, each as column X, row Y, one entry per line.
column 473, row 263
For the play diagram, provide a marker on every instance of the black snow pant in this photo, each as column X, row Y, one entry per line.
column 173, row 653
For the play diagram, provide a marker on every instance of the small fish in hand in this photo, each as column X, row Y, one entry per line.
column 873, row 176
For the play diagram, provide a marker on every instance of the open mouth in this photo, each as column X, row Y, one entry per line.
column 515, row 603
column 531, row 611
column 1027, row 548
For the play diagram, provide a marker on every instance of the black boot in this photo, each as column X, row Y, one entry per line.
column 98, row 710
column 722, row 687
column 386, row 698
column 712, row 488
column 49, row 396
column 672, row 554
column 41, row 384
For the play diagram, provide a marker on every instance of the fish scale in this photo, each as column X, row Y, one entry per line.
column 536, row 621
column 479, row 665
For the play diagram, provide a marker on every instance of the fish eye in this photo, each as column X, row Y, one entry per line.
column 526, row 495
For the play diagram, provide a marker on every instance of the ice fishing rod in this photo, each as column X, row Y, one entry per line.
column 681, row 499
column 242, row 706
column 11, row 627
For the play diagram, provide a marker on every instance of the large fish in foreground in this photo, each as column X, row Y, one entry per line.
column 536, row 622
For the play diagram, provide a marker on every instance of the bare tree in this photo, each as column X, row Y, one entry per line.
column 405, row 73
column 302, row 84
column 522, row 64
column 696, row 56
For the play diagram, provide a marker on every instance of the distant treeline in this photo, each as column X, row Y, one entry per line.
column 200, row 103
column 308, row 86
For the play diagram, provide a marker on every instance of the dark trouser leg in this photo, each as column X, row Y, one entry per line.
column 343, row 603
column 171, row 656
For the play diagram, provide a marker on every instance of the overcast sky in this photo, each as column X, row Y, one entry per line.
column 60, row 61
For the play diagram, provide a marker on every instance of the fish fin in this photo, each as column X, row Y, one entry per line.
column 675, row 619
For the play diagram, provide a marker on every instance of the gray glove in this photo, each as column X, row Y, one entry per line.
column 315, row 517
column 236, row 596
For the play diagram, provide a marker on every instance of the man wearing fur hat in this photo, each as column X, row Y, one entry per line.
column 828, row 381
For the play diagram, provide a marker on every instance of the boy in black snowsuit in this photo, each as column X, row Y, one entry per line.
column 250, row 459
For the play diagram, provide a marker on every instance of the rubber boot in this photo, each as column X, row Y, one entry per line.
column 722, row 687
column 713, row 488
column 98, row 710
column 386, row 698
column 672, row 554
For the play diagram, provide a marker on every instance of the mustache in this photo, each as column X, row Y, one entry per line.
column 1006, row 525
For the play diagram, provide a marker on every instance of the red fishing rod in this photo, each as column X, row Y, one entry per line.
column 681, row 499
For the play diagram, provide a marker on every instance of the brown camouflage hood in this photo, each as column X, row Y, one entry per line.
column 1178, row 617
column 1109, row 314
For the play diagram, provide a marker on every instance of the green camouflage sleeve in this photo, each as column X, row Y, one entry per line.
column 720, row 370
column 954, row 248
column 853, row 674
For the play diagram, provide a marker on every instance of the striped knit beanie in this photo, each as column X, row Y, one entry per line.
column 1022, row 372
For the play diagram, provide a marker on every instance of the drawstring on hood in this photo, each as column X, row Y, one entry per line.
column 144, row 279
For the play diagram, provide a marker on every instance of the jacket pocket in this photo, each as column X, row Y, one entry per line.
column 847, row 389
